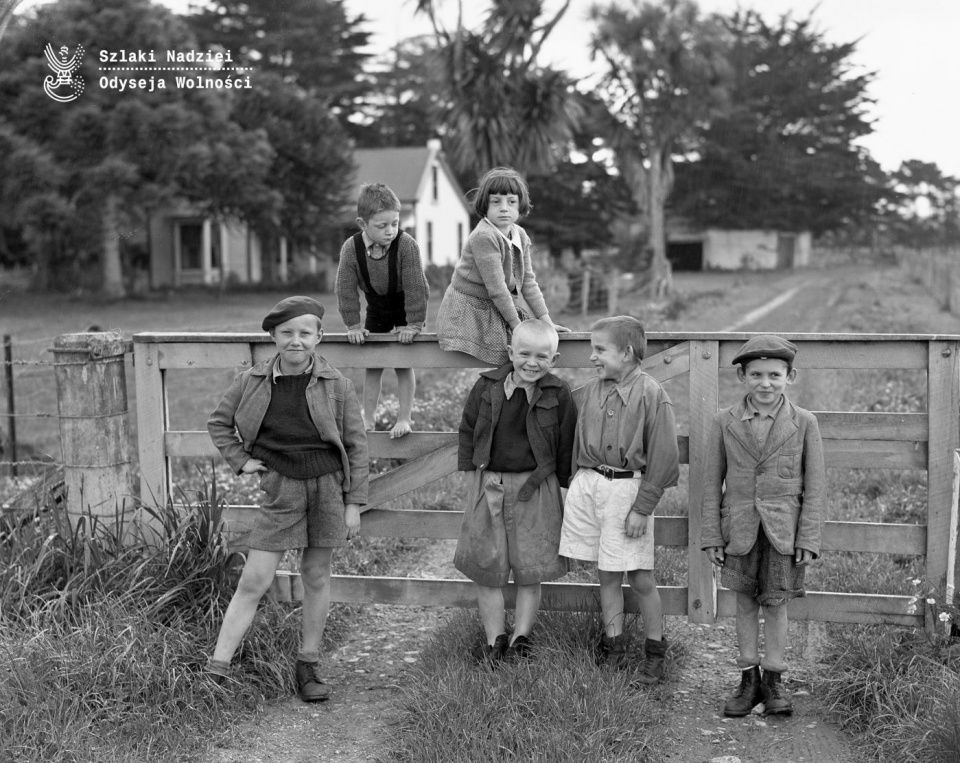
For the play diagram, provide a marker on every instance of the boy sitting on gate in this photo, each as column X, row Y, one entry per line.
column 763, row 498
column 295, row 420
column 627, row 455
column 384, row 263
column 516, row 435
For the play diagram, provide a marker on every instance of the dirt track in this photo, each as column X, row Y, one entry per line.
column 367, row 669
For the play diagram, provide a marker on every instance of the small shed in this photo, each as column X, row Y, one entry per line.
column 720, row 249
column 434, row 210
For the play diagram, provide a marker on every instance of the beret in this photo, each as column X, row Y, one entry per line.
column 291, row 307
column 766, row 346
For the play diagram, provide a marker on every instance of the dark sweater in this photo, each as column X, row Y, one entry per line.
column 510, row 450
column 288, row 441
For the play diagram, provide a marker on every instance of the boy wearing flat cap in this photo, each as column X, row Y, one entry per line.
column 295, row 420
column 764, row 485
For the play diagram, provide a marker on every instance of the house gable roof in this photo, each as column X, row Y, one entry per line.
column 403, row 169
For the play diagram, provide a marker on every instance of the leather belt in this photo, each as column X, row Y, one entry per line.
column 615, row 474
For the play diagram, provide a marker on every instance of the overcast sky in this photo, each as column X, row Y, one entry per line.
column 911, row 44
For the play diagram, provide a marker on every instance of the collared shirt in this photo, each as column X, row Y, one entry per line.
column 760, row 423
column 374, row 251
column 509, row 386
column 630, row 426
column 512, row 237
column 277, row 372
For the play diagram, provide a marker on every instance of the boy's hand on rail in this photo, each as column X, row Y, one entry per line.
column 406, row 334
column 716, row 555
column 253, row 466
column 351, row 515
column 357, row 336
column 561, row 329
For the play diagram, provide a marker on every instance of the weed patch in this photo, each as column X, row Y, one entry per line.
column 554, row 707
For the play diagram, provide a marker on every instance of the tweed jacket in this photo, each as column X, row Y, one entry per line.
column 489, row 268
column 334, row 410
column 551, row 423
column 781, row 486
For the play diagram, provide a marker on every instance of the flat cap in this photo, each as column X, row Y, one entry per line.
column 766, row 346
column 291, row 307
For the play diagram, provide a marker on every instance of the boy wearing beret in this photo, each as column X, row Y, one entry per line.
column 764, row 485
column 295, row 420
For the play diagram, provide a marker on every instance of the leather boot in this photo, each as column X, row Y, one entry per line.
column 747, row 696
column 614, row 651
column 310, row 688
column 492, row 654
column 776, row 698
column 655, row 664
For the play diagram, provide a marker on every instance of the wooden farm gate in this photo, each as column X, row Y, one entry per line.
column 926, row 441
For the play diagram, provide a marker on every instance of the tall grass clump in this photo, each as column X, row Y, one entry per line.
column 899, row 691
column 554, row 707
column 103, row 638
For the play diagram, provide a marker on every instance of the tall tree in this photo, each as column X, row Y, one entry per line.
column 403, row 99
column 666, row 75
column 312, row 45
column 785, row 154
column 120, row 153
column 307, row 90
column 500, row 106
column 928, row 208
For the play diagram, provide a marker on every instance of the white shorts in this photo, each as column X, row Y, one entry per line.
column 594, row 513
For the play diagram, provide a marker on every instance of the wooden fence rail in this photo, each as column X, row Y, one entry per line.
column 924, row 441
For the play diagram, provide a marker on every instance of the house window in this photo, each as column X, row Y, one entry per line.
column 429, row 242
column 216, row 258
column 191, row 245
column 436, row 180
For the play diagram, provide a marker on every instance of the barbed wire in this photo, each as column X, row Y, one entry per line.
column 87, row 361
column 45, row 415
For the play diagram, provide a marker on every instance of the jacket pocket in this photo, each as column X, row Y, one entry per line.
column 788, row 464
column 548, row 413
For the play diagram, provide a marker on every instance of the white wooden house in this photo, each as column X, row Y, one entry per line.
column 433, row 209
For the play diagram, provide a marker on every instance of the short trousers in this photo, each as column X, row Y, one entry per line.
column 500, row 534
column 385, row 321
column 593, row 524
column 764, row 573
column 299, row 513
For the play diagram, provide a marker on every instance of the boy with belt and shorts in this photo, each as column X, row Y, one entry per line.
column 384, row 263
column 626, row 454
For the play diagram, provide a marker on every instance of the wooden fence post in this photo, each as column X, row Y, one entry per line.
column 11, row 400
column 152, row 421
column 94, row 430
column 943, row 406
column 704, row 403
